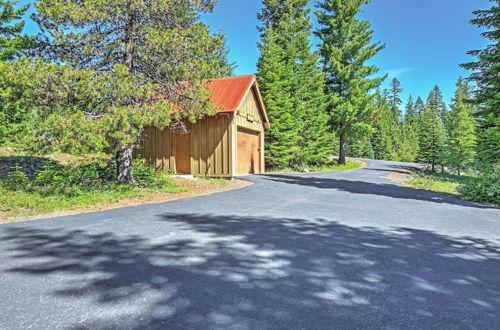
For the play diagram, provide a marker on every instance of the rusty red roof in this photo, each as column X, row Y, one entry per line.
column 228, row 93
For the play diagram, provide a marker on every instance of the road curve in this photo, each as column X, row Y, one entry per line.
column 347, row 250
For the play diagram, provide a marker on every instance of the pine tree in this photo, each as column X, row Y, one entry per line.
column 292, row 85
column 409, row 137
column 139, row 53
column 460, row 151
column 409, row 146
column 386, row 139
column 359, row 143
column 345, row 47
column 435, row 101
column 12, row 40
column 410, row 111
column 432, row 137
column 486, row 75
column 419, row 105
column 394, row 97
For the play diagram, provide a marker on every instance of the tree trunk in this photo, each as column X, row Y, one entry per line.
column 342, row 149
column 124, row 173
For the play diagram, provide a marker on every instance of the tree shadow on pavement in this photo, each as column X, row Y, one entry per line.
column 367, row 188
column 206, row 271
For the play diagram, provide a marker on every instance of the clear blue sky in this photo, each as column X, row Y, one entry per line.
column 426, row 40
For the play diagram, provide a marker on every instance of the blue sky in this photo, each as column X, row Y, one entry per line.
column 426, row 40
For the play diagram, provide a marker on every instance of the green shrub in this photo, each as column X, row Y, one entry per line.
column 48, row 187
column 484, row 188
column 145, row 175
column 16, row 179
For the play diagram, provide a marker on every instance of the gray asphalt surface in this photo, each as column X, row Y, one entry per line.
column 343, row 250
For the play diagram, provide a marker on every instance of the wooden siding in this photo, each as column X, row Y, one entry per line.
column 156, row 148
column 249, row 114
column 211, row 147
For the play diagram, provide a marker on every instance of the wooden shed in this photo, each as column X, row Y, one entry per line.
column 225, row 145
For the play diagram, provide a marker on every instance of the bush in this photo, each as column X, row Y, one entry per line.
column 484, row 188
column 75, row 178
column 145, row 175
column 16, row 179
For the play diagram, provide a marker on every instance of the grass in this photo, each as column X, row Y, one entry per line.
column 350, row 165
column 439, row 182
column 219, row 182
column 30, row 202
column 36, row 185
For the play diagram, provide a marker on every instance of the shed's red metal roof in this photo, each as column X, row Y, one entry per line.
column 228, row 93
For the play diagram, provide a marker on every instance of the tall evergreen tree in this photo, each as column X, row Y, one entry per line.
column 409, row 147
column 409, row 136
column 395, row 96
column 419, row 105
column 386, row 136
column 139, row 54
column 432, row 137
column 435, row 101
column 292, row 85
column 486, row 75
column 346, row 46
column 460, row 151
column 12, row 39
column 411, row 112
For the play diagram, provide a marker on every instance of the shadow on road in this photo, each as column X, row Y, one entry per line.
column 367, row 188
column 267, row 273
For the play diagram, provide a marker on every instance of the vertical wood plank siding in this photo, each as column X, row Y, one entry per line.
column 211, row 147
column 156, row 148
column 249, row 115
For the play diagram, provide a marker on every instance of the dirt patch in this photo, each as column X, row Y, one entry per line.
column 197, row 187
column 401, row 178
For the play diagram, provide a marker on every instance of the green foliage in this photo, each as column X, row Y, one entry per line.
column 387, row 137
column 436, row 103
column 359, row 142
column 419, row 105
column 55, row 187
column 12, row 40
column 461, row 149
column 327, row 167
column 486, row 76
column 409, row 147
column 292, row 86
column 131, row 56
column 439, row 182
column 345, row 47
column 395, row 97
column 411, row 112
column 486, row 67
column 432, row 133
column 488, row 138
column 484, row 188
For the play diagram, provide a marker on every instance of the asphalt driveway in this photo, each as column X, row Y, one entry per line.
column 321, row 250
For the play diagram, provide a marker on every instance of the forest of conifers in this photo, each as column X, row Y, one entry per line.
column 89, row 82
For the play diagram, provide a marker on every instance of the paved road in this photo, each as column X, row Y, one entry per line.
column 330, row 250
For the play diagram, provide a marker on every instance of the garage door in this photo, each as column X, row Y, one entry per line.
column 248, row 152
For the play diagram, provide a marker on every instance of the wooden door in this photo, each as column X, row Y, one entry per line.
column 182, row 153
column 248, row 160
